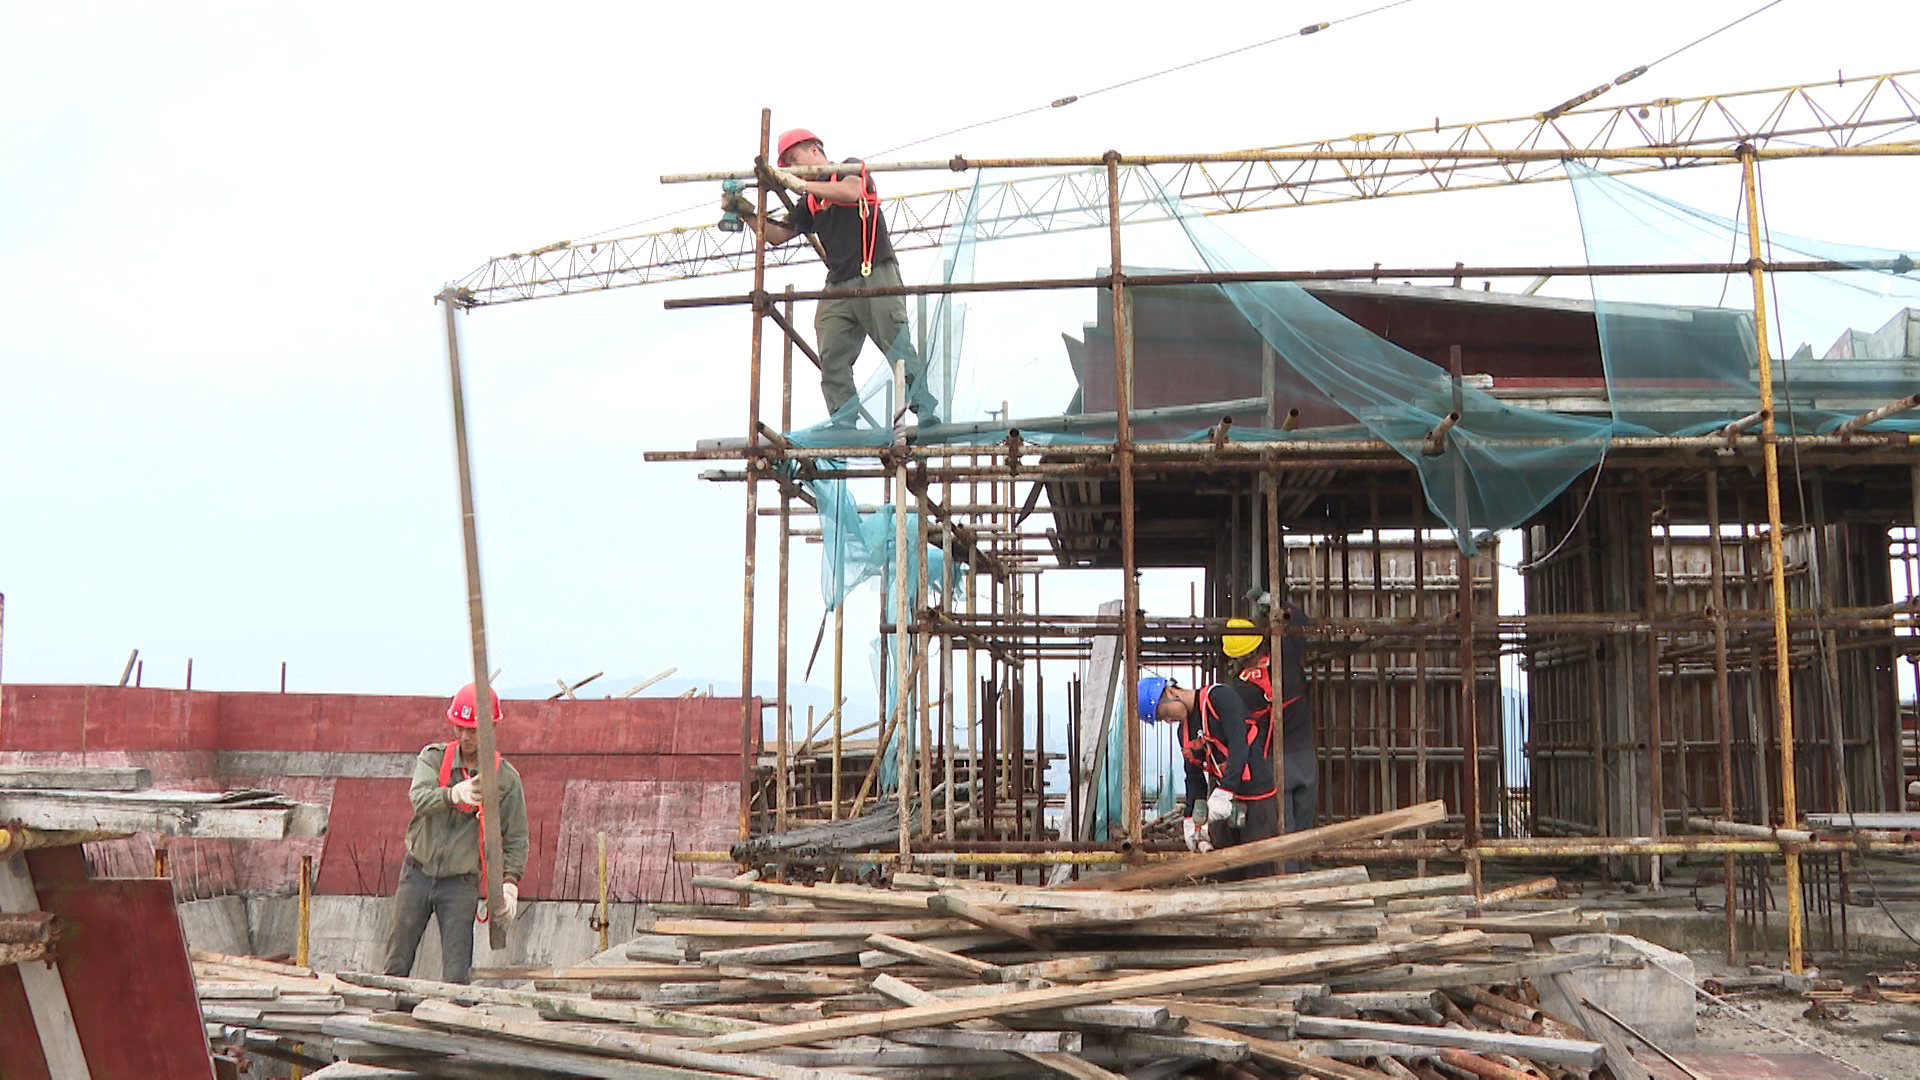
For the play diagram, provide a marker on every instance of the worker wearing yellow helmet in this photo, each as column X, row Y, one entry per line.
column 1253, row 661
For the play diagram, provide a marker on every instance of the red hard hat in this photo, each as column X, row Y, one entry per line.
column 461, row 713
column 791, row 139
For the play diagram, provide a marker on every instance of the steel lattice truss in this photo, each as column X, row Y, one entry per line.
column 1853, row 112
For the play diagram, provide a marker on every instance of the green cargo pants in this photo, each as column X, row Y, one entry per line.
column 843, row 328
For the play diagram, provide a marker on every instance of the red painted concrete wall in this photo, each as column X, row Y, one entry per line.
column 655, row 774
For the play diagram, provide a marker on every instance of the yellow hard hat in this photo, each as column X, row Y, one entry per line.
column 1239, row 645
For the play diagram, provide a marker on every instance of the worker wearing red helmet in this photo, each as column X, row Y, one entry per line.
column 843, row 213
column 443, row 873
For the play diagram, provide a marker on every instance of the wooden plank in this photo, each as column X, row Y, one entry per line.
column 821, row 894
column 878, row 958
column 1585, row 1055
column 467, row 1049
column 939, row 958
column 1287, row 846
column 1434, row 978
column 783, row 953
column 1047, row 969
column 46, row 991
column 1065, row 1064
column 614, row 1043
column 1017, row 929
column 1005, row 1041
column 1281, row 1054
column 1035, row 898
column 74, row 778
column 1216, row 975
column 1189, row 907
column 567, row 1008
column 808, row 931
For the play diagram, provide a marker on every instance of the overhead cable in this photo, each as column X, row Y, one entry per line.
column 1061, row 103
column 1573, row 103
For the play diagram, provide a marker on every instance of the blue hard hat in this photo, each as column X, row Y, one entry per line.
column 1152, row 687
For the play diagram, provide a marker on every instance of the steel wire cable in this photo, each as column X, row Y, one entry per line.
column 1633, row 73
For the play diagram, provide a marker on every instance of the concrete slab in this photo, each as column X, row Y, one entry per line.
column 1656, row 997
column 218, row 925
column 1756, row 1067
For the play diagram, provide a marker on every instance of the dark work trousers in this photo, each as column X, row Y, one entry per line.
column 1262, row 821
column 452, row 902
column 1300, row 788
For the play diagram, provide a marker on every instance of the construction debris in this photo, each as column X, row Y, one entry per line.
column 1309, row 972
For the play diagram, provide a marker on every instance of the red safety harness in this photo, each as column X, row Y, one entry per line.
column 1261, row 676
column 1201, row 743
column 447, row 762
column 869, row 207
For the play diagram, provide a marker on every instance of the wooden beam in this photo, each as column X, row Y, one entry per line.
column 1209, row 977
column 1064, row 1064
column 940, row 958
column 1187, row 907
column 46, row 992
column 1017, row 929
column 1585, row 1055
column 1288, row 846
column 74, row 778
column 621, row 1044
column 808, row 931
column 1282, row 1054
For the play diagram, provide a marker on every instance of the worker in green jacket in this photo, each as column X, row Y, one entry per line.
column 444, row 869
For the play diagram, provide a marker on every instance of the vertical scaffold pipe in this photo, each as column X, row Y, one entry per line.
column 1123, row 463
column 1770, row 465
column 749, row 711
column 1722, row 692
column 477, row 633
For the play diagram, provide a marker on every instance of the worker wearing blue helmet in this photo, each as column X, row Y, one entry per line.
column 1231, row 748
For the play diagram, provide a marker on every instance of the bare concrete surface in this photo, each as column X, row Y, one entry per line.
column 1729, row 1043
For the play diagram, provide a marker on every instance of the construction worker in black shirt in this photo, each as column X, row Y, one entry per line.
column 843, row 212
column 1252, row 652
column 1233, row 749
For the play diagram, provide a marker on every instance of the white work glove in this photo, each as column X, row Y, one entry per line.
column 1194, row 832
column 1220, row 805
column 787, row 180
column 510, row 903
column 465, row 793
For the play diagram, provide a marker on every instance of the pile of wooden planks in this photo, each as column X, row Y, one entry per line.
column 1142, row 973
column 95, row 800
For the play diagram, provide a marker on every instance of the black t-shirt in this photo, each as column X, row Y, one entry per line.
column 839, row 230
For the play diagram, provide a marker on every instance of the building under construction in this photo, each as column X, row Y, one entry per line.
column 1711, row 521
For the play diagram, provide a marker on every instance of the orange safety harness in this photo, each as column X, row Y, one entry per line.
column 869, row 207
column 447, row 762
column 1201, row 744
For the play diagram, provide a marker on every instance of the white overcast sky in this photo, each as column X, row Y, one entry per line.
column 224, row 428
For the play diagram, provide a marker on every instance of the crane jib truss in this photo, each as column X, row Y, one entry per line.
column 1841, row 113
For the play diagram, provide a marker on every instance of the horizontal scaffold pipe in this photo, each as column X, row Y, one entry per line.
column 1236, row 277
column 959, row 163
column 1541, row 847
column 1154, row 455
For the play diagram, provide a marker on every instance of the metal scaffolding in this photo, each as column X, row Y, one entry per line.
column 1664, row 690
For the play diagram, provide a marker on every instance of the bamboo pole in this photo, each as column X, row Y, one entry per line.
column 1770, row 465
column 484, row 704
column 750, row 720
column 601, row 844
column 1123, row 462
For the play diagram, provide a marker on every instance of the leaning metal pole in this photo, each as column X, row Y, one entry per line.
column 749, row 710
column 1770, row 465
column 1123, row 463
column 477, row 627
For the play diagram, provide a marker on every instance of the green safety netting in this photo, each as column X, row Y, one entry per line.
column 1680, row 350
column 1677, row 350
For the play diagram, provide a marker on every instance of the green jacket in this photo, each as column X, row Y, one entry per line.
column 445, row 841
